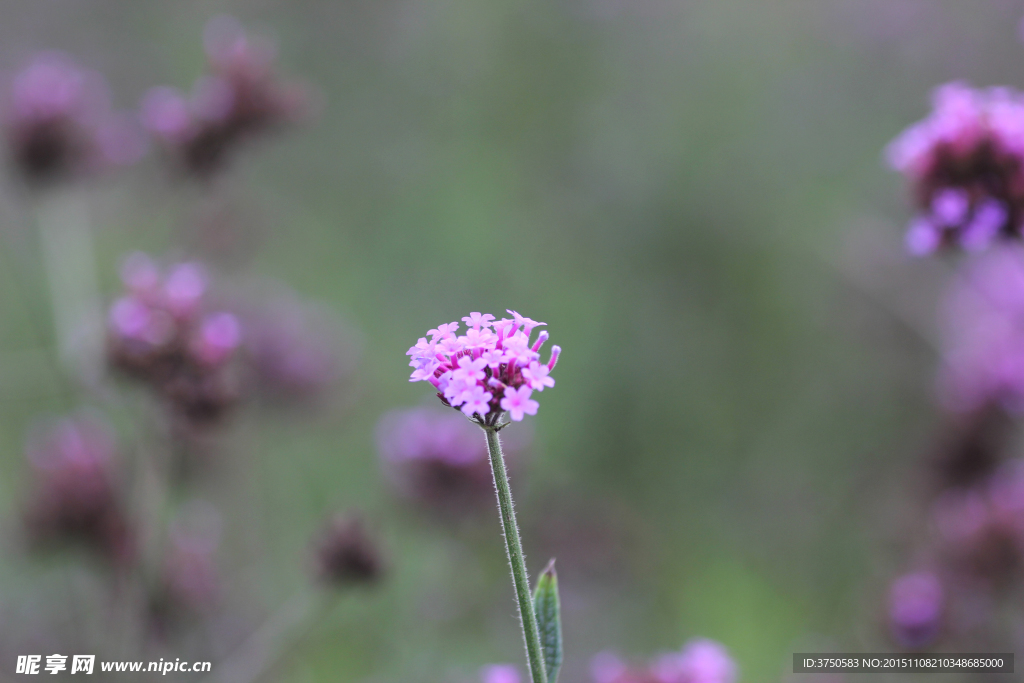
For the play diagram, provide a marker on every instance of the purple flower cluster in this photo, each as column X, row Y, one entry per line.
column 964, row 162
column 77, row 496
column 700, row 661
column 239, row 98
column 983, row 334
column 58, row 122
column 492, row 368
column 437, row 457
column 161, row 333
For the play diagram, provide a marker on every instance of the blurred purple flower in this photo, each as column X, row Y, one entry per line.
column 294, row 351
column 971, row 446
column 499, row 673
column 160, row 333
column 189, row 582
column 76, row 496
column 439, row 458
column 983, row 334
column 218, row 336
column 607, row 667
column 983, row 528
column 700, row 661
column 1006, row 493
column 916, row 607
column 190, row 570
column 240, row 98
column 346, row 554
column 964, row 163
column 58, row 122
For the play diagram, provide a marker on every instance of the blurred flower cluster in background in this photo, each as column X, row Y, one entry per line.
column 787, row 418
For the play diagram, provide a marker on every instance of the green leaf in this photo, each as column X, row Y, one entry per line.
column 549, row 621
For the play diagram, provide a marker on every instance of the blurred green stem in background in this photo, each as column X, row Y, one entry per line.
column 534, row 652
column 70, row 262
column 269, row 645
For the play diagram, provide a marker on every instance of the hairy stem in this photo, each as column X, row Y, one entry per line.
column 527, row 616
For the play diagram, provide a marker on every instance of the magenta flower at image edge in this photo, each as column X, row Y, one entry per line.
column 492, row 368
column 965, row 163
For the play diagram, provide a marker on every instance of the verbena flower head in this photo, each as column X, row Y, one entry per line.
column 916, row 607
column 964, row 163
column 983, row 334
column 239, row 98
column 59, row 124
column 492, row 368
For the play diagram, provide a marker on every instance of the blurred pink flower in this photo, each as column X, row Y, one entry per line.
column 439, row 458
column 240, row 98
column 983, row 334
column 77, row 496
column 700, row 661
column 58, row 122
column 346, row 554
column 296, row 352
column 964, row 163
column 916, row 606
column 499, row 673
column 160, row 333
column 188, row 582
column 982, row 528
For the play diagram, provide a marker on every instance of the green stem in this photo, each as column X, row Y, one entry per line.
column 527, row 616
column 69, row 258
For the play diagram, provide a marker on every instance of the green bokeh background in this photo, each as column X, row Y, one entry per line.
column 690, row 193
